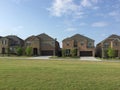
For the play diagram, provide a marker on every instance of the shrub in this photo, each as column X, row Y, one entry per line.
column 28, row 51
column 63, row 53
column 111, row 53
column 19, row 51
column 74, row 52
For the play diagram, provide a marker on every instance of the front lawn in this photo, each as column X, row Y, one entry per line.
column 58, row 75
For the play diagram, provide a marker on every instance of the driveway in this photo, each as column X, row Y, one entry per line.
column 89, row 59
column 40, row 57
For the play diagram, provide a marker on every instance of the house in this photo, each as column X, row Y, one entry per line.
column 43, row 45
column 49, row 45
column 83, row 45
column 113, row 41
column 34, row 43
column 9, row 43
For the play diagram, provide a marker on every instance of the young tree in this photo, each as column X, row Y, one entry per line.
column 111, row 52
column 19, row 51
column 28, row 51
column 63, row 53
column 74, row 52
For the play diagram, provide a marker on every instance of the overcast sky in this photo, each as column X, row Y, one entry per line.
column 96, row 19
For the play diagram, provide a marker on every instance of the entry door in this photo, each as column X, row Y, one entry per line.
column 35, row 51
column 3, row 50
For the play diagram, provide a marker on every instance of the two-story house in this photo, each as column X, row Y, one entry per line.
column 84, row 46
column 34, row 43
column 9, row 43
column 43, row 45
column 113, row 41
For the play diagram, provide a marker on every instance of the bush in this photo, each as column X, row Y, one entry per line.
column 19, row 51
column 74, row 52
column 63, row 53
column 28, row 51
column 111, row 53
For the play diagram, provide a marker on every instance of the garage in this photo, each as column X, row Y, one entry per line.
column 86, row 53
column 47, row 53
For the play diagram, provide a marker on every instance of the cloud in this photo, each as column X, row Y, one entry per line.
column 100, row 24
column 60, row 7
column 114, row 13
column 88, row 3
column 70, row 7
column 70, row 29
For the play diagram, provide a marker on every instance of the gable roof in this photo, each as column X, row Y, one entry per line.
column 111, row 37
column 44, row 36
column 78, row 37
column 14, row 38
column 31, row 38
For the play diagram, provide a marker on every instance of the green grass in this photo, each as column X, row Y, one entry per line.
column 58, row 75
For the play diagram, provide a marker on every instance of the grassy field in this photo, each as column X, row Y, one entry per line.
column 58, row 75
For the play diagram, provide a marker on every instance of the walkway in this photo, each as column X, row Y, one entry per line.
column 89, row 59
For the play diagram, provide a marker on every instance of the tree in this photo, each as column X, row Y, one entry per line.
column 111, row 52
column 19, row 51
column 63, row 53
column 28, row 51
column 74, row 52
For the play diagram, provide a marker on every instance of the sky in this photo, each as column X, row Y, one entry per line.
column 96, row 19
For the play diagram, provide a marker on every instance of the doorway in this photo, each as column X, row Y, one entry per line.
column 35, row 51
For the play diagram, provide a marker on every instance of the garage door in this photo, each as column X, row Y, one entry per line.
column 86, row 53
column 47, row 53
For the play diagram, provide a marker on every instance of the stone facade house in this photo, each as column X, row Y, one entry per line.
column 84, row 46
column 113, row 41
column 9, row 43
column 43, row 45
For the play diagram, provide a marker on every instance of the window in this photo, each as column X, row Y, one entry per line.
column 90, row 44
column 4, row 42
column 106, row 45
column 28, row 43
column 115, row 44
column 67, row 52
column 67, row 43
column 82, row 43
column 75, row 44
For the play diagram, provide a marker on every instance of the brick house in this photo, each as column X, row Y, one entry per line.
column 84, row 46
column 113, row 41
column 43, row 45
column 9, row 43
column 34, row 43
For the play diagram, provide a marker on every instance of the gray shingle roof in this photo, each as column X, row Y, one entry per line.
column 78, row 37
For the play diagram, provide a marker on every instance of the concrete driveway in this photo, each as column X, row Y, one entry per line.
column 40, row 57
column 89, row 59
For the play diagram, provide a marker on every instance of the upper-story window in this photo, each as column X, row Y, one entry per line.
column 28, row 43
column 106, row 45
column 82, row 43
column 4, row 42
column 115, row 44
column 90, row 44
column 67, row 44
column 75, row 44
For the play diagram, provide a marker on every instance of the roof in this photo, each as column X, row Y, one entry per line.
column 44, row 36
column 77, row 37
column 14, row 37
column 32, row 38
column 112, row 38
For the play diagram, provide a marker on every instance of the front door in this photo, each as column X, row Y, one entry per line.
column 3, row 50
column 35, row 51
